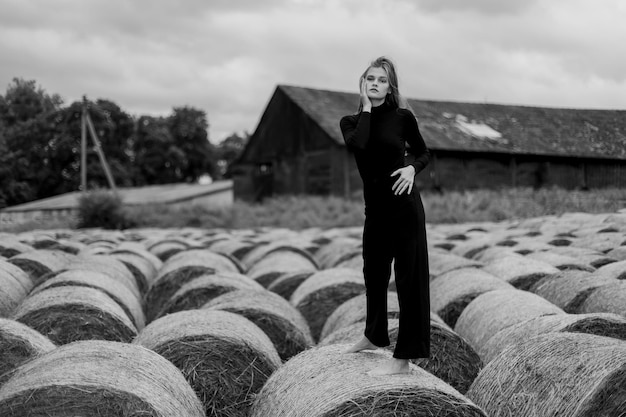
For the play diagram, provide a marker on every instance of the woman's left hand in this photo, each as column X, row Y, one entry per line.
column 404, row 181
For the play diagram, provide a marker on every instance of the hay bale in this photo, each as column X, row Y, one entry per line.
column 18, row 344
column 109, row 266
column 262, row 251
column 495, row 310
column 519, row 271
column 235, row 247
column 37, row 263
column 166, row 248
column 618, row 253
column 616, row 270
column 142, row 269
column 17, row 274
column 609, row 298
column 588, row 256
column 98, row 378
column 569, row 289
column 224, row 356
column 354, row 310
column 600, row 324
column 67, row 314
column 10, row 246
column 179, row 270
column 440, row 262
column 452, row 291
column 321, row 293
column 554, row 374
column 11, row 294
column 337, row 250
column 266, row 270
column 286, row 283
column 324, row 382
column 561, row 262
column 356, row 263
column 281, row 322
column 493, row 253
column 204, row 288
column 601, row 242
column 451, row 358
column 111, row 287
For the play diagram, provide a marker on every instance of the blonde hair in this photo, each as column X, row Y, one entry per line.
column 394, row 97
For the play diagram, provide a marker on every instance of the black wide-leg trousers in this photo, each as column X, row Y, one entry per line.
column 395, row 229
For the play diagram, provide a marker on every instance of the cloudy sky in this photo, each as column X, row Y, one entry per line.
column 227, row 56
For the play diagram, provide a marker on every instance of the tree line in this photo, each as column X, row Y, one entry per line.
column 40, row 145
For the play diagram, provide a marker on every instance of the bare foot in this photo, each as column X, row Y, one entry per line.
column 391, row 367
column 363, row 344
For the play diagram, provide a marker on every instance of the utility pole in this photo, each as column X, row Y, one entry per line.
column 87, row 124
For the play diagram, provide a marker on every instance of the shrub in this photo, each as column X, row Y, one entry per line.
column 102, row 208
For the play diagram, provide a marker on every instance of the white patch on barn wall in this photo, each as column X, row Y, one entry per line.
column 478, row 130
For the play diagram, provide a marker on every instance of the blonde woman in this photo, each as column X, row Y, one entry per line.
column 394, row 215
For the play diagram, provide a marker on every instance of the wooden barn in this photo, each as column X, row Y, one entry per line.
column 298, row 148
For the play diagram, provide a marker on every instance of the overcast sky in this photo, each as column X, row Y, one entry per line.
column 227, row 56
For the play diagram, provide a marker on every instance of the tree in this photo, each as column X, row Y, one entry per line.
column 228, row 150
column 27, row 123
column 188, row 127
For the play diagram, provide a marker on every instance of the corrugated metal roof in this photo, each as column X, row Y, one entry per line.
column 484, row 127
column 155, row 194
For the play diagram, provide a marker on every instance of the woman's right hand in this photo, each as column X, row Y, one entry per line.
column 365, row 100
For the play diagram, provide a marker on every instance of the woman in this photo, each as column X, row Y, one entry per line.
column 394, row 215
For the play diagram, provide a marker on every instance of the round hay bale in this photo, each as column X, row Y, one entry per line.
column 452, row 291
column 561, row 262
column 18, row 344
column 601, row 242
column 493, row 253
column 224, row 356
column 354, row 310
column 451, row 359
column 281, row 322
column 109, row 266
column 111, row 287
column 266, row 270
column 67, row 314
column 440, row 262
column 204, row 288
column 98, row 378
column 323, row 381
column 588, row 256
column 179, row 270
column 338, row 249
column 600, row 324
column 37, row 263
column 554, row 374
column 10, row 247
column 140, row 250
column 167, row 248
column 61, row 244
column 354, row 262
column 142, row 269
column 519, row 271
column 618, row 253
column 321, row 293
column 609, row 298
column 495, row 310
column 11, row 294
column 17, row 274
column 569, row 289
column 285, row 284
column 262, row 251
column 235, row 247
column 616, row 270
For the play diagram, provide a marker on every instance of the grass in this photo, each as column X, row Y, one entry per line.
column 299, row 212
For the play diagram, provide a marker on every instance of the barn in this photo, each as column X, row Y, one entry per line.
column 297, row 147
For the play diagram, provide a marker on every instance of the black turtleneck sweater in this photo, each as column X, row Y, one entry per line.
column 378, row 140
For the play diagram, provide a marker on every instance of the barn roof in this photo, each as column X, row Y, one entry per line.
column 485, row 127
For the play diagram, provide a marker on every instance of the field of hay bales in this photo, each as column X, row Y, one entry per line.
column 528, row 318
